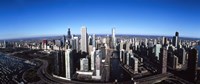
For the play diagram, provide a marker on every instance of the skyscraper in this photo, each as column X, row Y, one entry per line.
column 146, row 42
column 63, row 41
column 98, row 57
column 98, row 63
column 94, row 41
column 121, row 55
column 182, row 56
column 76, row 39
column 157, row 50
column 59, row 63
column 163, row 60
column 93, row 56
column 192, row 65
column 84, row 39
column 68, row 63
column 44, row 44
column 69, row 34
column 175, row 39
column 68, row 38
column 84, row 64
column 113, row 38
column 5, row 44
column 135, row 67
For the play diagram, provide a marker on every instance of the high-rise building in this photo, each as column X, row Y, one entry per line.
column 98, row 62
column 146, row 42
column 84, row 64
column 172, row 61
column 69, row 64
column 176, row 39
column 76, row 40
column 182, row 56
column 44, row 44
column 94, row 41
column 73, row 44
column 84, row 39
column 93, row 56
column 122, row 45
column 124, row 57
column 136, row 61
column 128, row 45
column 103, row 52
column 58, row 43
column 69, row 34
column 121, row 55
column 5, row 44
column 113, row 38
column 192, row 65
column 128, row 58
column 69, row 37
column 59, row 62
column 63, row 41
column 198, row 48
column 154, row 41
column 163, row 40
column 157, row 50
column 90, row 40
column 163, row 60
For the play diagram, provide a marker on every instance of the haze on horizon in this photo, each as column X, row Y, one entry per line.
column 30, row 18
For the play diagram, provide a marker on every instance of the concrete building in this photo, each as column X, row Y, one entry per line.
column 75, row 43
column 163, row 60
column 69, row 64
column 192, row 65
column 94, row 41
column 121, row 55
column 5, row 44
column 59, row 63
column 84, row 64
column 172, row 61
column 98, row 65
column 44, row 44
column 182, row 56
column 136, row 62
column 157, row 50
column 63, row 41
column 128, row 58
column 93, row 56
column 113, row 38
column 84, row 39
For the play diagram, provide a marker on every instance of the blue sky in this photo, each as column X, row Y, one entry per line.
column 30, row 18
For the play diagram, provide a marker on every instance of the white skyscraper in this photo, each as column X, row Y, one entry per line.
column 135, row 65
column 98, row 64
column 84, row 64
column 75, row 43
column 93, row 56
column 94, row 41
column 68, row 63
column 113, row 37
column 157, row 50
column 127, row 58
column 84, row 39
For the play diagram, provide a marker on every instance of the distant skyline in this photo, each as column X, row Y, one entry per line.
column 32, row 18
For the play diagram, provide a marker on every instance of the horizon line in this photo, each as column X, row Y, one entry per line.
column 95, row 34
